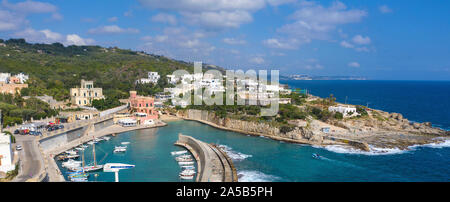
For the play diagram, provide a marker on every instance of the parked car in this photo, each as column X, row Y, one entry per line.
column 16, row 132
column 61, row 126
column 36, row 133
column 50, row 129
column 24, row 132
column 18, row 147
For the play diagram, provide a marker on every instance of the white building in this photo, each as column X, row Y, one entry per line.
column 22, row 77
column 4, row 77
column 345, row 110
column 6, row 155
column 153, row 77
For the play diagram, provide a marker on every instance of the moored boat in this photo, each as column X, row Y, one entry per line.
column 178, row 152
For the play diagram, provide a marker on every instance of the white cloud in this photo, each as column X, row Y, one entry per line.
column 165, row 18
column 210, row 14
column 281, row 44
column 73, row 39
column 358, row 39
column 257, row 60
column 347, row 44
column 234, row 41
column 48, row 36
column 385, row 9
column 30, row 7
column 112, row 29
column 280, row 2
column 353, row 64
column 178, row 42
column 218, row 20
column 13, row 16
column 113, row 19
column 315, row 22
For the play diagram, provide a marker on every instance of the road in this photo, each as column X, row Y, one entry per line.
column 30, row 158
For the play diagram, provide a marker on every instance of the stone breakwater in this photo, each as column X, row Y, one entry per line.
column 299, row 135
column 213, row 165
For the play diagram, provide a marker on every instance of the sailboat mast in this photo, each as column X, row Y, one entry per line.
column 93, row 150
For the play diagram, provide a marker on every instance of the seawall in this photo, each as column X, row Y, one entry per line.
column 213, row 165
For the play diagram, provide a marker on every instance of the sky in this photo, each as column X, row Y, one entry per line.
column 377, row 39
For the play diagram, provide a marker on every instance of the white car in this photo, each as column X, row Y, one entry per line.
column 18, row 147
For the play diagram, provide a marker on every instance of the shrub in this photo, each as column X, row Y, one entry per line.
column 338, row 115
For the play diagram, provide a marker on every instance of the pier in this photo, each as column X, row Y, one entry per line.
column 212, row 163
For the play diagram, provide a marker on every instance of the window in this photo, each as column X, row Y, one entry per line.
column 79, row 102
column 84, row 101
column 95, row 94
column 146, row 105
column 84, row 94
column 75, row 94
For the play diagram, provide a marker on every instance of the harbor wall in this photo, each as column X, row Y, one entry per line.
column 73, row 134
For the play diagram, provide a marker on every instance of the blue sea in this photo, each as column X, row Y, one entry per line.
column 262, row 159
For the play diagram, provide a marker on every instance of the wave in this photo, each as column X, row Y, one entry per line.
column 234, row 155
column 382, row 151
column 373, row 150
column 255, row 176
column 438, row 145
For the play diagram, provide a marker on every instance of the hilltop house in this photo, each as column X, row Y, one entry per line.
column 345, row 110
column 85, row 94
column 153, row 77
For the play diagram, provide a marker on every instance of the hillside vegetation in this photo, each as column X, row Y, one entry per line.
column 54, row 68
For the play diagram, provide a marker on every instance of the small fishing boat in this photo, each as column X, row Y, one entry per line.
column 71, row 152
column 178, row 152
column 187, row 172
column 83, row 146
column 79, row 179
column 119, row 149
column 106, row 138
column 125, row 143
column 79, row 148
column 189, row 176
column 188, row 167
column 185, row 163
column 184, row 158
column 316, row 156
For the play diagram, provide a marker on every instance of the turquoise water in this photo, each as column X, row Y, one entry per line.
column 262, row 159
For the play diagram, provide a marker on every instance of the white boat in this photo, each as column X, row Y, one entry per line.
column 83, row 146
column 80, row 148
column 79, row 179
column 71, row 163
column 117, row 150
column 188, row 172
column 178, row 152
column 92, row 168
column 124, row 143
column 187, row 177
column 187, row 167
column 184, row 159
column 71, row 152
column 90, row 143
column 186, row 163
column 120, row 147
column 106, row 138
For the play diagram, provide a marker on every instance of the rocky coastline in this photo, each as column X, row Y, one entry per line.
column 380, row 129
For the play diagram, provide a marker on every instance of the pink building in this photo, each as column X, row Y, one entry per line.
column 142, row 105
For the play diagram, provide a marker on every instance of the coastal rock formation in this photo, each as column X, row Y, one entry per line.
column 381, row 129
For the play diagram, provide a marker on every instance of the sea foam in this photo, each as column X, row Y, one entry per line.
column 255, row 176
column 373, row 150
column 234, row 155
